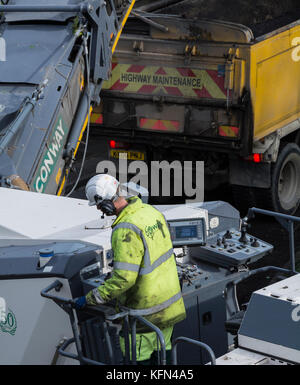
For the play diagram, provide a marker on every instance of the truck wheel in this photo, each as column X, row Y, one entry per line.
column 285, row 189
column 284, row 194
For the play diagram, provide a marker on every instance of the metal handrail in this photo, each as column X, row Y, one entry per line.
column 287, row 221
column 194, row 342
column 57, row 285
column 69, row 306
column 61, row 351
column 158, row 332
column 262, row 270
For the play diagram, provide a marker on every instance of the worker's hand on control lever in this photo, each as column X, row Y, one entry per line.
column 80, row 302
column 94, row 298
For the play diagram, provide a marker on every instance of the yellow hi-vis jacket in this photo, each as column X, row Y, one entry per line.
column 145, row 276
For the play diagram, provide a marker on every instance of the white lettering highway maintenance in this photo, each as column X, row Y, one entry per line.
column 162, row 80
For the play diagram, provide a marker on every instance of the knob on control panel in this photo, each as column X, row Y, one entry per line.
column 255, row 243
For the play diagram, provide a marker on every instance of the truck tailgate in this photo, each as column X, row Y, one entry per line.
column 164, row 90
column 176, row 90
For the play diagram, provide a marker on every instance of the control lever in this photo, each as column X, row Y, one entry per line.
column 244, row 228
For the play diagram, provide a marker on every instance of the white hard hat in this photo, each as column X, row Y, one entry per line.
column 101, row 187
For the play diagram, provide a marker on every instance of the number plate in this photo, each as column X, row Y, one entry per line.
column 131, row 155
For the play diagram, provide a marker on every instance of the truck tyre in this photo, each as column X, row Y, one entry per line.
column 284, row 194
column 285, row 189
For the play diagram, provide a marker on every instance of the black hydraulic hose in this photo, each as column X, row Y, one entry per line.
column 157, row 5
column 27, row 107
column 150, row 22
column 16, row 125
column 87, row 106
column 80, row 117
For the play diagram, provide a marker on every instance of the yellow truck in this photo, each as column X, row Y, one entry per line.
column 210, row 90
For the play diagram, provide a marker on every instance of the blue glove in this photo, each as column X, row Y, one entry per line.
column 80, row 302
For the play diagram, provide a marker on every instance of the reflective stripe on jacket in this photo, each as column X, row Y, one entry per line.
column 145, row 276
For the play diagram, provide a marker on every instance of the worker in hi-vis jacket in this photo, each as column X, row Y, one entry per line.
column 144, row 277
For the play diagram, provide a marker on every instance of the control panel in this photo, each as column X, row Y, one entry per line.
column 95, row 275
column 191, row 276
column 233, row 248
column 187, row 231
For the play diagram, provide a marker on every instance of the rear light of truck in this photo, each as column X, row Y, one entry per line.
column 121, row 145
column 256, row 158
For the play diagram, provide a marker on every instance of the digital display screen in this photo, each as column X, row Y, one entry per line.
column 186, row 232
